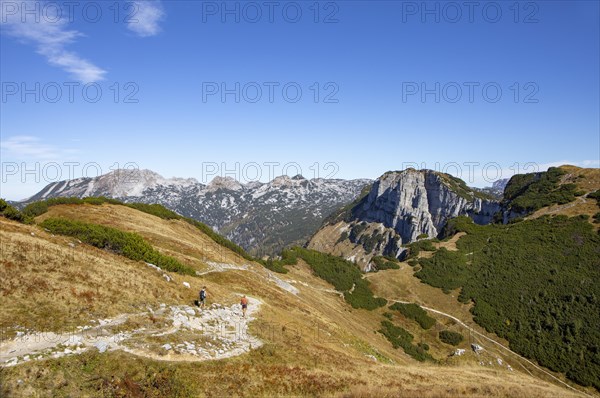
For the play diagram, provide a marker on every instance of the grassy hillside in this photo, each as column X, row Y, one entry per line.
column 36, row 209
column 128, row 244
column 314, row 342
column 526, row 193
column 533, row 283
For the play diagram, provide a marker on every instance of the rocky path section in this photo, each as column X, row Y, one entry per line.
column 170, row 333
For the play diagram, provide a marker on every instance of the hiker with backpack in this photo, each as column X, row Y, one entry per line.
column 202, row 300
column 244, row 304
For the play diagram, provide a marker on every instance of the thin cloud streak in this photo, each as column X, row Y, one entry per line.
column 29, row 147
column 50, row 39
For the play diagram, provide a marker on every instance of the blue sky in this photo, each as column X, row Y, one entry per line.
column 362, row 68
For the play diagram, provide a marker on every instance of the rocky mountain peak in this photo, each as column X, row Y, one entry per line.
column 400, row 207
column 226, row 182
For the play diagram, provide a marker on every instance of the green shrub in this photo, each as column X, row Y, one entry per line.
column 128, row 244
column 12, row 213
column 274, row 265
column 595, row 195
column 416, row 313
column 362, row 296
column 35, row 209
column 415, row 248
column 445, row 269
column 382, row 263
column 450, row 337
column 3, row 205
column 343, row 237
column 399, row 337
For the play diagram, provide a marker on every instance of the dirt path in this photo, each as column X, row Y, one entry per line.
column 183, row 333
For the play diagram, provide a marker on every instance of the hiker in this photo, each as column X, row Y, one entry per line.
column 244, row 303
column 202, row 301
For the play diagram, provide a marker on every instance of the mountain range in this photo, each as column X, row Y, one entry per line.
column 263, row 218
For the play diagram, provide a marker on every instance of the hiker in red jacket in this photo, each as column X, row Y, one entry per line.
column 244, row 304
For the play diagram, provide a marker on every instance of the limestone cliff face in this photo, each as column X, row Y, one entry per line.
column 420, row 202
column 399, row 208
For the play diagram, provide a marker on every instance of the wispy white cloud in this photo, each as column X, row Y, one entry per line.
column 29, row 147
column 49, row 37
column 580, row 163
column 145, row 21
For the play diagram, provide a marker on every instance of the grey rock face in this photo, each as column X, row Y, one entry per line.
column 420, row 202
column 400, row 208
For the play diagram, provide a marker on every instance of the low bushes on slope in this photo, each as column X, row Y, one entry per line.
column 344, row 275
column 166, row 214
column 416, row 313
column 400, row 337
column 128, row 244
column 530, row 192
column 11, row 212
column 450, row 337
column 533, row 283
column 382, row 263
column 415, row 248
column 596, row 195
column 288, row 257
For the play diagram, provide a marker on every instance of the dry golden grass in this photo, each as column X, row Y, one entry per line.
column 50, row 286
column 587, row 180
column 315, row 343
